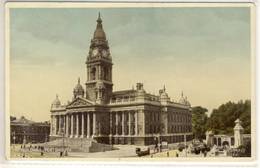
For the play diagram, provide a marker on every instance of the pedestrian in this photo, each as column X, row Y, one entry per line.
column 156, row 148
column 205, row 153
column 168, row 154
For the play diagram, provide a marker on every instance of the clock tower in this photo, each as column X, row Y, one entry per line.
column 99, row 84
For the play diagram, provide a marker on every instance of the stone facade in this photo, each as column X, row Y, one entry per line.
column 118, row 117
column 26, row 131
column 233, row 141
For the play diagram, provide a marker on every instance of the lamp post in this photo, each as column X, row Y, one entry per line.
column 63, row 140
column 13, row 136
column 24, row 142
column 185, row 143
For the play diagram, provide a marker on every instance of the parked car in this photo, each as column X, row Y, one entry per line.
column 140, row 153
column 181, row 147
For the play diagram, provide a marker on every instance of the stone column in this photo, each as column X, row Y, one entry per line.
column 54, row 125
column 64, row 124
column 136, row 123
column 94, row 123
column 88, row 74
column 99, row 72
column 143, row 121
column 110, row 73
column 129, row 123
column 110, row 128
column 59, row 125
column 77, row 126
column 88, row 126
column 51, row 129
column 116, row 123
column 123, row 123
column 111, row 123
column 67, row 125
column 82, row 125
column 72, row 126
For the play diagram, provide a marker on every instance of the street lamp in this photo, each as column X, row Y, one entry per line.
column 24, row 138
column 13, row 135
column 185, row 143
column 63, row 143
column 24, row 142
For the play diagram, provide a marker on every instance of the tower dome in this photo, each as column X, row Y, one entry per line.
column 99, row 32
column 78, row 90
column 56, row 102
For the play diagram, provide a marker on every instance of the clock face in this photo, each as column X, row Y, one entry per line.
column 104, row 53
column 95, row 52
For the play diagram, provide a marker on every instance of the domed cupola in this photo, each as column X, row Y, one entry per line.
column 78, row 90
column 99, row 32
column 56, row 103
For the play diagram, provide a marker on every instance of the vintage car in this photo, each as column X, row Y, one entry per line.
column 140, row 153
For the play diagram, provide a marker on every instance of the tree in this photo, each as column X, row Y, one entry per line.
column 12, row 118
column 222, row 119
column 199, row 121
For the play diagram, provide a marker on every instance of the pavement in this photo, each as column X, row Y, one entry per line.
column 122, row 151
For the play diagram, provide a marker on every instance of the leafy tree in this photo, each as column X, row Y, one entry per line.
column 12, row 118
column 222, row 119
column 199, row 120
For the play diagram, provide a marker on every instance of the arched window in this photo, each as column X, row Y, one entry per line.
column 93, row 73
column 105, row 73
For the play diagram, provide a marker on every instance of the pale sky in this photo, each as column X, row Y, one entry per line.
column 204, row 52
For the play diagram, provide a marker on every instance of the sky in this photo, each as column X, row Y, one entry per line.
column 204, row 52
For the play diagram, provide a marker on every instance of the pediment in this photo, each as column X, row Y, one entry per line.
column 80, row 102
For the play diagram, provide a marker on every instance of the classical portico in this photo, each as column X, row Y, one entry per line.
column 81, row 120
column 74, row 125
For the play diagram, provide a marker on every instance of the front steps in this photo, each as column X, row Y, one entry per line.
column 78, row 144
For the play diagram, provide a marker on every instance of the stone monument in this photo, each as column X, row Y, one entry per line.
column 209, row 138
column 238, row 134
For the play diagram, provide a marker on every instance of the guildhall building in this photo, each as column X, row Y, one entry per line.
column 132, row 116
